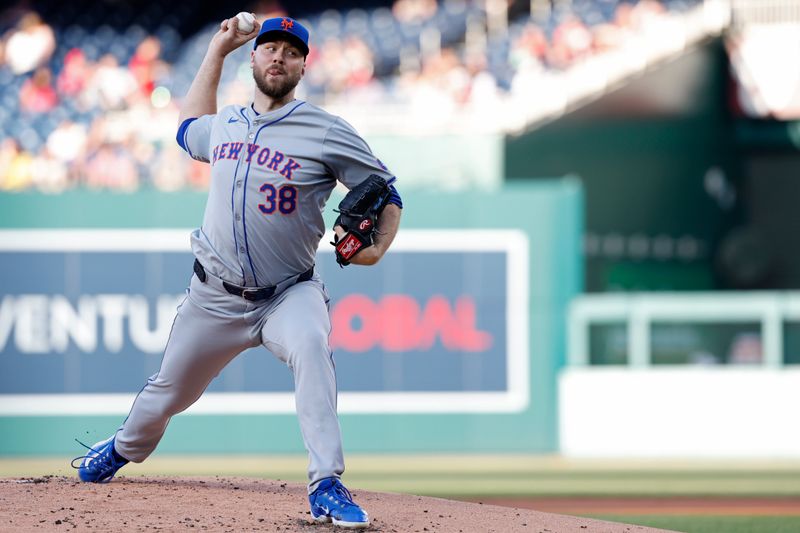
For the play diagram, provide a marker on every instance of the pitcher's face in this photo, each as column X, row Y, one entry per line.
column 278, row 66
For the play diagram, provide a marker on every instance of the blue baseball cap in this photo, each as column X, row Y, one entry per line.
column 284, row 28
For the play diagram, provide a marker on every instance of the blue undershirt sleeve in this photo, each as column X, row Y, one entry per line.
column 394, row 197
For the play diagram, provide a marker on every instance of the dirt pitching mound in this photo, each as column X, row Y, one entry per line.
column 234, row 504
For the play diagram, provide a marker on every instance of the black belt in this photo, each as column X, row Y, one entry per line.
column 252, row 294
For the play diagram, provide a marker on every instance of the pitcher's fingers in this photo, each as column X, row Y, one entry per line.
column 256, row 24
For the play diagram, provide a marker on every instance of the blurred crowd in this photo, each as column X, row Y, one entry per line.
column 106, row 124
column 109, row 122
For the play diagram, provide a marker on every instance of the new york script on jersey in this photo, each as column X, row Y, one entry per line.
column 262, row 156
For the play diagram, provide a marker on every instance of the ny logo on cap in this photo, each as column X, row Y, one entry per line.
column 286, row 24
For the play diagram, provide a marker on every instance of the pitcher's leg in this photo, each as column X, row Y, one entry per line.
column 297, row 332
column 199, row 346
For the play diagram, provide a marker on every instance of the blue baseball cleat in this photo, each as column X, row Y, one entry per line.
column 332, row 501
column 101, row 463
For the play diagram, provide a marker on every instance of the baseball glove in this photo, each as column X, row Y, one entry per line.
column 358, row 214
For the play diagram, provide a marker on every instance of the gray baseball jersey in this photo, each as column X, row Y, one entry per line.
column 271, row 176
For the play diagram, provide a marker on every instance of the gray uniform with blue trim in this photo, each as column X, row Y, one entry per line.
column 271, row 177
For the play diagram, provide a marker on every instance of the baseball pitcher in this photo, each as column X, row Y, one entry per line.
column 274, row 163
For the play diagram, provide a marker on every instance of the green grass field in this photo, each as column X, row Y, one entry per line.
column 474, row 477
column 712, row 524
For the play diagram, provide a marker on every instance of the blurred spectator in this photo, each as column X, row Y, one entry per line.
column 358, row 58
column 30, row 44
column 448, row 75
column 572, row 41
column 607, row 36
column 746, row 349
column 15, row 166
column 342, row 65
column 531, row 45
column 527, row 59
column 145, row 65
column 74, row 74
column 37, row 94
column 483, row 91
column 9, row 148
column 435, row 93
column 644, row 12
column 414, row 11
column 110, row 87
column 48, row 173
column 67, row 142
column 112, row 167
column 322, row 63
column 623, row 15
column 169, row 169
column 265, row 9
column 614, row 33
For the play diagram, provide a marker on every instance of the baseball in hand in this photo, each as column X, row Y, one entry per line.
column 246, row 22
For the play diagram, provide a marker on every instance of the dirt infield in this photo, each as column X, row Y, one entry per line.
column 235, row 504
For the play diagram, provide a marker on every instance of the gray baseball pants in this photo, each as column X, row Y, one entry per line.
column 211, row 328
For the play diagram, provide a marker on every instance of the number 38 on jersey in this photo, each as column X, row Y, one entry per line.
column 283, row 198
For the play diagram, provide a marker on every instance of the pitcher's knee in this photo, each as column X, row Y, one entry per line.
column 168, row 400
column 309, row 348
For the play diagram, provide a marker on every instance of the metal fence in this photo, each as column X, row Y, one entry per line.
column 771, row 313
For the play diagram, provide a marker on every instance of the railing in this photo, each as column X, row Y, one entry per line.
column 764, row 11
column 771, row 310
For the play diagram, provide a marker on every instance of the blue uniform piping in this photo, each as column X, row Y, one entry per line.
column 233, row 207
column 247, row 175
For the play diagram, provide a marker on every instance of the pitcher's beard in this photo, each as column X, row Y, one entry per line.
column 277, row 90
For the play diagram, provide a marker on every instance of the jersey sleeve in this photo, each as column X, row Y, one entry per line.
column 194, row 136
column 348, row 156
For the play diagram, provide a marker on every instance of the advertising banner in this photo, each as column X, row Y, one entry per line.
column 439, row 326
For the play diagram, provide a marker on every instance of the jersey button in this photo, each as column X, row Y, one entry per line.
column 238, row 217
column 241, row 249
column 238, row 183
column 250, row 136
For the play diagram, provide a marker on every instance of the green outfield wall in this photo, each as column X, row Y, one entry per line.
column 548, row 213
column 661, row 172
